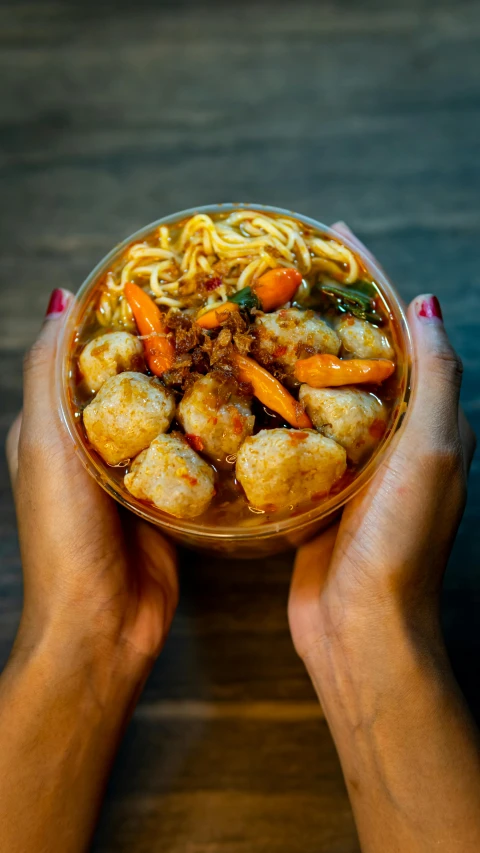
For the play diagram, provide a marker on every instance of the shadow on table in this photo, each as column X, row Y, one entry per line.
column 228, row 748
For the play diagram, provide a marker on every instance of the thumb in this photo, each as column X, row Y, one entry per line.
column 309, row 576
column 39, row 365
column 439, row 373
column 38, row 372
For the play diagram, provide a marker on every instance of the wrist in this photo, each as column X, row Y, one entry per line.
column 401, row 728
column 359, row 657
column 109, row 673
column 63, row 713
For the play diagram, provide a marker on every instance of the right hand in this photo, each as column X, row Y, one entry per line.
column 97, row 581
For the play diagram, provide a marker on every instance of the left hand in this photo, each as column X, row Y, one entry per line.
column 384, row 562
column 364, row 617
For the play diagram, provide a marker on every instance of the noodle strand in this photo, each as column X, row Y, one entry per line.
column 238, row 250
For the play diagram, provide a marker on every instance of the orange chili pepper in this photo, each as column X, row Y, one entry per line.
column 276, row 287
column 215, row 317
column 271, row 392
column 327, row 371
column 272, row 289
column 159, row 350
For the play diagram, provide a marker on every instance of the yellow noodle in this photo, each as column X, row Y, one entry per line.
column 303, row 254
column 250, row 246
column 248, row 229
column 140, row 250
column 113, row 286
column 154, row 285
column 334, row 251
column 245, row 245
column 207, row 243
column 164, row 237
column 327, row 248
column 267, row 225
column 126, row 313
column 217, row 297
column 193, row 263
column 170, row 287
column 194, row 224
column 104, row 311
column 190, row 252
column 240, row 216
column 167, row 300
column 325, row 265
column 126, row 272
column 229, row 235
column 254, row 270
column 164, row 270
column 289, row 232
column 204, row 264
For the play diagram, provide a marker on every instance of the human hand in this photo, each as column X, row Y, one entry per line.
column 94, row 577
column 385, row 560
column 364, row 617
column 100, row 590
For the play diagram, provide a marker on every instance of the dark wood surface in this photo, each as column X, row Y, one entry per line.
column 113, row 114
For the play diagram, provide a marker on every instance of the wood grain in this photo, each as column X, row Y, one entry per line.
column 115, row 113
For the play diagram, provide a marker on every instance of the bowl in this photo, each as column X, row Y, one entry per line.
column 260, row 539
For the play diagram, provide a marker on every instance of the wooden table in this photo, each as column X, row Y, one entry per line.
column 116, row 113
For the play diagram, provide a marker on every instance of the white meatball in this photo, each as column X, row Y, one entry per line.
column 362, row 340
column 282, row 467
column 353, row 418
column 128, row 412
column 173, row 477
column 218, row 419
column 108, row 355
column 287, row 335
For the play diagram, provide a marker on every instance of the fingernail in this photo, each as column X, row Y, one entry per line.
column 428, row 309
column 57, row 303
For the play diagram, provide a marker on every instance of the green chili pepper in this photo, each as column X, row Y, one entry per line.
column 352, row 300
column 246, row 298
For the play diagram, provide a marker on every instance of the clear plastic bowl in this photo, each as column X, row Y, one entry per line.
column 269, row 537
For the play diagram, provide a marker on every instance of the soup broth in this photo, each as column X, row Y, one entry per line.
column 195, row 271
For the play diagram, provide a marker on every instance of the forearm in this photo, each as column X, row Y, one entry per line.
column 408, row 747
column 62, row 713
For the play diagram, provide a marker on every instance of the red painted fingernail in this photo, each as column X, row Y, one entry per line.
column 429, row 309
column 57, row 304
